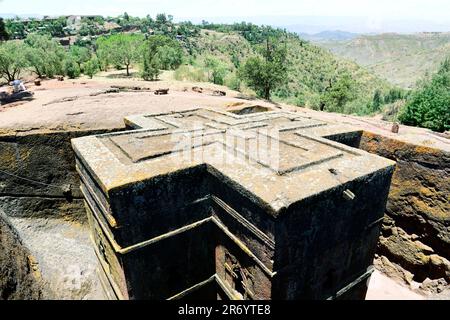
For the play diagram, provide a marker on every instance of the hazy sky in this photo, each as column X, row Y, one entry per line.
column 424, row 9
column 375, row 12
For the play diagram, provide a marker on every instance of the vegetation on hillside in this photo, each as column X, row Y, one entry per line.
column 429, row 106
column 272, row 63
column 19, row 29
column 314, row 77
column 400, row 58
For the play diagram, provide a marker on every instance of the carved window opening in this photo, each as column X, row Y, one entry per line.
column 238, row 278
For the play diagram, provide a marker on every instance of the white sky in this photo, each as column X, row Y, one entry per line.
column 388, row 9
column 363, row 16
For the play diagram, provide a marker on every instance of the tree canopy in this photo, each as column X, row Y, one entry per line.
column 339, row 92
column 429, row 106
column 266, row 71
column 121, row 49
column 91, row 67
column 12, row 60
column 160, row 52
column 45, row 56
column 80, row 54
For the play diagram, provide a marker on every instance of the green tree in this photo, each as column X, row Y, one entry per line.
column 377, row 100
column 91, row 67
column 160, row 52
column 338, row 94
column 217, row 70
column 4, row 36
column 80, row 54
column 393, row 95
column 45, row 55
column 55, row 27
column 170, row 56
column 102, row 52
column 71, row 68
column 121, row 49
column 233, row 82
column 161, row 18
column 445, row 67
column 150, row 69
column 15, row 29
column 265, row 72
column 86, row 29
column 12, row 60
column 429, row 106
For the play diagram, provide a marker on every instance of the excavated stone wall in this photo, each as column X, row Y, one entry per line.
column 44, row 219
column 19, row 278
column 416, row 228
column 38, row 177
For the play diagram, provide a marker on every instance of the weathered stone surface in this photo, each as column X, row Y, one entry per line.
column 45, row 159
column 42, row 207
column 393, row 270
column 418, row 209
column 437, row 288
column 304, row 227
column 19, row 278
column 45, row 209
column 63, row 255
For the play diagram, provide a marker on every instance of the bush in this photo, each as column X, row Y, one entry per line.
column 150, row 70
column 217, row 70
column 233, row 82
column 71, row 68
column 80, row 54
column 300, row 100
column 91, row 67
column 391, row 110
column 339, row 94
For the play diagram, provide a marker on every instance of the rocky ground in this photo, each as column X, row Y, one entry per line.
column 102, row 103
column 20, row 277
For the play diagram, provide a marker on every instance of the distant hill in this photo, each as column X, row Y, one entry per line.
column 329, row 36
column 315, row 77
column 310, row 69
column 401, row 59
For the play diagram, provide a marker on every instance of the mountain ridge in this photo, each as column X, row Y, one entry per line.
column 402, row 59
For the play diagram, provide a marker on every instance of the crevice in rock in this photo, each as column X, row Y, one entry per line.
column 39, row 196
